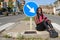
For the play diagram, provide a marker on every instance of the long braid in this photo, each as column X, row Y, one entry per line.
column 38, row 15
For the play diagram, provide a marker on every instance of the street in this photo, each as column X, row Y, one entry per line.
column 10, row 19
column 54, row 18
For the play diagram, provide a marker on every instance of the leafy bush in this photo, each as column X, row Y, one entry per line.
column 28, row 18
column 48, row 13
column 4, row 9
column 13, row 13
column 7, row 36
column 20, row 37
column 59, row 14
column 52, row 13
column 9, row 9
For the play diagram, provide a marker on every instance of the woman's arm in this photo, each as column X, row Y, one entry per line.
column 36, row 20
column 45, row 18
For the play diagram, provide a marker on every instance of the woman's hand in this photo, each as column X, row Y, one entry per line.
column 49, row 21
column 43, row 20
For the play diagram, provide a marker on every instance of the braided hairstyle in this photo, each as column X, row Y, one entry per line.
column 38, row 15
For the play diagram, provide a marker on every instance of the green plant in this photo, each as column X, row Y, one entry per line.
column 28, row 18
column 7, row 36
column 46, row 39
column 21, row 7
column 33, row 38
column 10, row 4
column 48, row 13
column 59, row 14
column 13, row 13
column 52, row 13
column 20, row 37
column 4, row 10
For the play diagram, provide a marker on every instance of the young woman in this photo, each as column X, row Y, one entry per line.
column 42, row 22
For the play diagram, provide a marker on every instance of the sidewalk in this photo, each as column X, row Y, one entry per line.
column 22, row 26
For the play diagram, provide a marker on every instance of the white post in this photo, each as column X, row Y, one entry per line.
column 30, row 23
column 1, row 4
column 7, row 4
column 54, row 10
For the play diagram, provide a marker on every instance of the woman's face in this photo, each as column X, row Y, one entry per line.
column 39, row 11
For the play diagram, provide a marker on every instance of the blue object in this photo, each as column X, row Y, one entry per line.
column 30, row 9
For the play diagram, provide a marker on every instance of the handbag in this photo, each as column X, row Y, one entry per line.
column 53, row 34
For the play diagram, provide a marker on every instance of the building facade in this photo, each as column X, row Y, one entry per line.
column 1, row 3
column 47, row 8
column 9, row 3
column 57, row 7
column 15, row 4
column 4, row 3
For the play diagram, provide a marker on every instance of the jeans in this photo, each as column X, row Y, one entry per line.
column 44, row 25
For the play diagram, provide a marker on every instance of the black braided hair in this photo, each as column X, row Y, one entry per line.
column 38, row 13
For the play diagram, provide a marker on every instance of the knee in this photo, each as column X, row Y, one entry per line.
column 49, row 21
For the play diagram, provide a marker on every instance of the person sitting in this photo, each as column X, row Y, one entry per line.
column 43, row 23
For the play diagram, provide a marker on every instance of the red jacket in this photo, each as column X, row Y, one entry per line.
column 37, row 21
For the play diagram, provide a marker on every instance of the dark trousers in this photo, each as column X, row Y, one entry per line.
column 43, row 26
